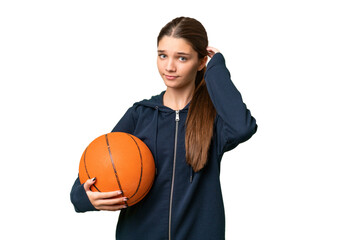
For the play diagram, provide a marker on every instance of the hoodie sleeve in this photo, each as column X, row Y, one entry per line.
column 127, row 123
column 234, row 123
column 80, row 199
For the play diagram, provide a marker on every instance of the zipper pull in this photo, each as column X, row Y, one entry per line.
column 177, row 118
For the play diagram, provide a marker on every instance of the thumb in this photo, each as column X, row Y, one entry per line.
column 89, row 183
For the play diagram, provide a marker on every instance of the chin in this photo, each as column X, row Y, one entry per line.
column 171, row 84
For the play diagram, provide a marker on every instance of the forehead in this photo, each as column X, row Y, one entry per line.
column 174, row 45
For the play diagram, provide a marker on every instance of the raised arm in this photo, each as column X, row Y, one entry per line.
column 234, row 121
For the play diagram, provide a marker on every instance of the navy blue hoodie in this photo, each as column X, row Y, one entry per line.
column 182, row 204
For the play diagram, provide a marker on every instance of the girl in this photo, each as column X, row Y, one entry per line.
column 188, row 128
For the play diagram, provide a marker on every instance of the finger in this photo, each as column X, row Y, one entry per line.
column 212, row 49
column 112, row 201
column 113, row 207
column 211, row 54
column 107, row 195
column 88, row 183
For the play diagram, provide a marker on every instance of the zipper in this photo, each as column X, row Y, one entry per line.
column 177, row 119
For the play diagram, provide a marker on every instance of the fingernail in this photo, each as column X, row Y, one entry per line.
column 93, row 179
column 119, row 192
column 125, row 199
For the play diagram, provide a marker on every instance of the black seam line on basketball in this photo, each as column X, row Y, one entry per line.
column 143, row 195
column 87, row 170
column 141, row 160
column 113, row 164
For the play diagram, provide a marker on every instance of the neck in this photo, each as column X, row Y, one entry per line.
column 177, row 99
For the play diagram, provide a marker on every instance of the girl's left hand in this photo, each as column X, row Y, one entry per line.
column 212, row 51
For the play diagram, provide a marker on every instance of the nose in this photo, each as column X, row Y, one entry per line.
column 170, row 66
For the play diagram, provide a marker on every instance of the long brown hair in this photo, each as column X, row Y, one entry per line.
column 200, row 119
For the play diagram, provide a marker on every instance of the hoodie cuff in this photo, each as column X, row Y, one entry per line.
column 218, row 58
column 80, row 199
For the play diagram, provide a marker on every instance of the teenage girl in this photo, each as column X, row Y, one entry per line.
column 188, row 128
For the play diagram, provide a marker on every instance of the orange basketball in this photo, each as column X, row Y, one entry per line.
column 119, row 161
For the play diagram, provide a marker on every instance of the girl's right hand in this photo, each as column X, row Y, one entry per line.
column 212, row 51
column 109, row 201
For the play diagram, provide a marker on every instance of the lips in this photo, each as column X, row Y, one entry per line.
column 169, row 77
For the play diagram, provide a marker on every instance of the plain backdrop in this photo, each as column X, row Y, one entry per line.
column 70, row 69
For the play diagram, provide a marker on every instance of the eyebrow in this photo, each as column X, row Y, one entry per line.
column 183, row 53
column 179, row 53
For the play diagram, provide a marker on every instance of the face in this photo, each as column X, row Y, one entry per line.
column 178, row 63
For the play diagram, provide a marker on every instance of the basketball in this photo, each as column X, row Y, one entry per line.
column 119, row 161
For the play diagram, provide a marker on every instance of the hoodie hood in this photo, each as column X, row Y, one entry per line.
column 153, row 102
column 156, row 102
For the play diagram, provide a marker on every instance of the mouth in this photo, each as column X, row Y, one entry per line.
column 170, row 77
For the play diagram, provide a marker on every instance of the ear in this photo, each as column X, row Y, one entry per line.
column 202, row 63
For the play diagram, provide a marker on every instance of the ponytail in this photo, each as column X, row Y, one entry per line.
column 199, row 125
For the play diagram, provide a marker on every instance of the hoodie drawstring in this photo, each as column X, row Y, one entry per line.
column 191, row 174
column 155, row 143
column 155, row 146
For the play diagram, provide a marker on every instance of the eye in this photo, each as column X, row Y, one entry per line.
column 182, row 59
column 162, row 56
